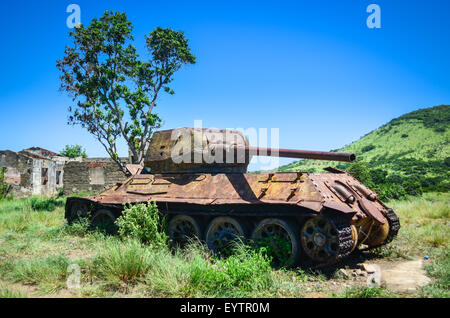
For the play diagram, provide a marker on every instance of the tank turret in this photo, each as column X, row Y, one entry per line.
column 192, row 150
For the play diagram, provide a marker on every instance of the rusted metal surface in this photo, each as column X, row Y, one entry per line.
column 307, row 190
column 134, row 169
column 212, row 188
column 299, row 154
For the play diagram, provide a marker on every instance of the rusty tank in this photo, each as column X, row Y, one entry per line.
column 198, row 179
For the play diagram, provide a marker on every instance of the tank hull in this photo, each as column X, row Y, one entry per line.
column 337, row 198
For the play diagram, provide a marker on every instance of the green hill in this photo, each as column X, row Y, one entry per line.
column 413, row 147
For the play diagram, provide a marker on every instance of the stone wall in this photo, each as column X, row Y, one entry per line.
column 30, row 175
column 19, row 174
column 91, row 175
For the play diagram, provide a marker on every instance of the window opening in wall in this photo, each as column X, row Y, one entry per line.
column 58, row 176
column 44, row 175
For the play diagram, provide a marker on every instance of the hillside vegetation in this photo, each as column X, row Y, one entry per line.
column 414, row 147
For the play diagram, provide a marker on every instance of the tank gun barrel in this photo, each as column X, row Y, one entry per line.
column 300, row 154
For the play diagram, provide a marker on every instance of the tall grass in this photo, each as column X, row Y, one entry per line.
column 50, row 273
column 45, row 204
column 426, row 232
column 125, row 263
column 7, row 292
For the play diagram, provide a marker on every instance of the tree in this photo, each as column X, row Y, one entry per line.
column 361, row 171
column 114, row 91
column 73, row 151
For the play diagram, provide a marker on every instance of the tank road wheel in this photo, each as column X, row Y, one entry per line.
column 183, row 228
column 78, row 210
column 103, row 220
column 281, row 239
column 222, row 232
column 327, row 240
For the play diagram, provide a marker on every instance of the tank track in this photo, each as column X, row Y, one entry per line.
column 394, row 227
column 345, row 238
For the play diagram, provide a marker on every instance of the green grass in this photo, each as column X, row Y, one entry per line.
column 7, row 292
column 50, row 273
column 365, row 292
column 45, row 204
column 425, row 232
column 36, row 247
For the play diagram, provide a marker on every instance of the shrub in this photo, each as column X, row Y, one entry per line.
column 79, row 227
column 45, row 204
column 276, row 249
column 412, row 187
column 378, row 176
column 391, row 191
column 243, row 273
column 361, row 171
column 447, row 161
column 144, row 223
column 4, row 186
column 395, row 178
column 367, row 148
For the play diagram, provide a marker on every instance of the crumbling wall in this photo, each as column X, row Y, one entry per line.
column 91, row 175
column 19, row 174
column 29, row 175
column 47, row 177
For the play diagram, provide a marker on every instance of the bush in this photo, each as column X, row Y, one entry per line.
column 378, row 176
column 278, row 250
column 4, row 187
column 144, row 223
column 391, row 191
column 368, row 148
column 447, row 161
column 361, row 171
column 412, row 187
column 79, row 227
column 242, row 273
column 45, row 204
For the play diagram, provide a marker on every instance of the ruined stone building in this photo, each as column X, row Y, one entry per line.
column 33, row 171
column 37, row 171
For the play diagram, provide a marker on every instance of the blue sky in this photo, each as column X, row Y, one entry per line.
column 313, row 69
